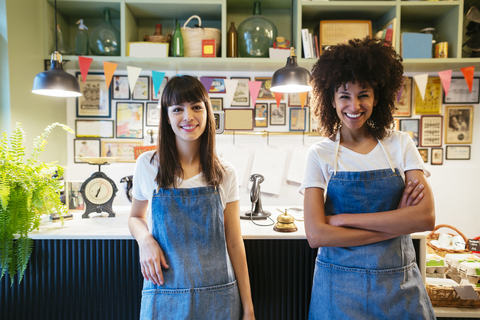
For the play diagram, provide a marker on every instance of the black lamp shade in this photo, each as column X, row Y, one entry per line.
column 56, row 82
column 291, row 78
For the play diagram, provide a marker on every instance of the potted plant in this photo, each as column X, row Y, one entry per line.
column 28, row 189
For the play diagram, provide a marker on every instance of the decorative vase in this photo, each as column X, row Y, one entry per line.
column 256, row 35
column 105, row 39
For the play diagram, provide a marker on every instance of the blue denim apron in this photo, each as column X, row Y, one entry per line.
column 200, row 283
column 375, row 281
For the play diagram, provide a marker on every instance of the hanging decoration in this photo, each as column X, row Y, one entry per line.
column 157, row 78
column 446, row 78
column 254, row 87
column 421, row 81
column 109, row 69
column 230, row 87
column 278, row 97
column 303, row 98
column 84, row 64
column 207, row 82
column 468, row 75
column 133, row 74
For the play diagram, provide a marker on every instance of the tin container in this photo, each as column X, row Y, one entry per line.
column 441, row 50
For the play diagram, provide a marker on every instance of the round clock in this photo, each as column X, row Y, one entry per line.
column 98, row 192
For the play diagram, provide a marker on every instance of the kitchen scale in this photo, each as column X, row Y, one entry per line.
column 98, row 191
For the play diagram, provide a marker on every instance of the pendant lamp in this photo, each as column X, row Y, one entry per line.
column 291, row 78
column 56, row 82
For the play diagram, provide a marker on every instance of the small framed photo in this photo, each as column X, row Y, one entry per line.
column 122, row 149
column 85, row 148
column 141, row 89
column 424, row 154
column 298, row 119
column 458, row 153
column 261, row 115
column 217, row 104
column 152, row 114
column 432, row 104
column 130, row 120
column 403, row 104
column 436, row 156
column 218, row 84
column 94, row 128
column 95, row 99
column 294, row 100
column 219, row 121
column 265, row 93
column 278, row 115
column 396, row 124
column 157, row 95
column 241, row 97
column 411, row 127
column 239, row 119
column 313, row 123
column 431, row 131
column 73, row 197
column 120, row 88
column 458, row 124
column 460, row 93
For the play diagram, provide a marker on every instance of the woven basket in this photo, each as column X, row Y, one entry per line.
column 442, row 251
column 192, row 38
column 448, row 297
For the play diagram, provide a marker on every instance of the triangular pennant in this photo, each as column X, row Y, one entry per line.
column 84, row 64
column 278, row 97
column 446, row 78
column 303, row 98
column 230, row 87
column 254, row 87
column 133, row 73
column 207, row 82
column 468, row 75
column 109, row 69
column 157, row 78
column 421, row 81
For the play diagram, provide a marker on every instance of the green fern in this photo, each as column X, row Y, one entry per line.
column 27, row 190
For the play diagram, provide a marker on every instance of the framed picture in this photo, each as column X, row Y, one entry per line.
column 437, row 156
column 424, row 154
column 95, row 99
column 141, row 89
column 94, row 128
column 241, row 97
column 122, row 149
column 392, row 25
column 218, row 85
column 411, row 127
column 459, row 92
column 130, row 120
column 73, row 197
column 239, row 119
column 313, row 123
column 85, row 148
column 261, row 115
column 396, row 124
column 432, row 104
column 120, row 88
column 152, row 114
column 219, row 121
column 298, row 119
column 458, row 124
column 265, row 93
column 294, row 100
column 278, row 115
column 157, row 95
column 458, row 153
column 217, row 104
column 404, row 103
column 431, row 131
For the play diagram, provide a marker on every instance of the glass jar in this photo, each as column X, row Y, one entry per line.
column 434, row 38
column 105, row 39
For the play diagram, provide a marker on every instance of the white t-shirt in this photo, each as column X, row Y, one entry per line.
column 145, row 173
column 321, row 156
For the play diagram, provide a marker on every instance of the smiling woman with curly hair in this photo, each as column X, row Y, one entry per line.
column 365, row 190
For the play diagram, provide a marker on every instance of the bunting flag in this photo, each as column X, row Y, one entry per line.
column 84, row 64
column 446, row 78
column 278, row 97
column 230, row 87
column 254, row 87
column 468, row 75
column 157, row 79
column 421, row 81
column 109, row 69
column 207, row 83
column 133, row 73
column 303, row 98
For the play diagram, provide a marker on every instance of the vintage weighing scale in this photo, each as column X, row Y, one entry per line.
column 98, row 191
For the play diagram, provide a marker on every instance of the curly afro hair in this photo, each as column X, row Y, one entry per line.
column 364, row 61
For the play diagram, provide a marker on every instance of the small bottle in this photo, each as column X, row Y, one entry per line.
column 81, row 39
column 177, row 42
column 158, row 30
column 60, row 45
column 232, row 41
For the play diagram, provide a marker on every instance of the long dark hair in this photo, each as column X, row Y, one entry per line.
column 179, row 90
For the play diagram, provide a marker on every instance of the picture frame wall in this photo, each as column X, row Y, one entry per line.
column 155, row 96
column 432, row 102
column 95, row 101
column 431, row 131
column 241, row 97
column 265, row 93
column 278, row 115
column 152, row 114
column 261, row 115
column 94, row 129
column 411, row 127
column 460, row 93
column 436, row 156
column 129, row 119
column 217, row 104
column 457, row 153
column 121, row 149
column 141, row 89
column 120, row 88
column 458, row 124
column 85, row 148
column 404, row 103
column 239, row 119
column 298, row 119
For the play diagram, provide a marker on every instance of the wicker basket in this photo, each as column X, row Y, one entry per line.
column 192, row 38
column 442, row 251
column 447, row 297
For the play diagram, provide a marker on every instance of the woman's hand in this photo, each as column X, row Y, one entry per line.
column 152, row 260
column 412, row 194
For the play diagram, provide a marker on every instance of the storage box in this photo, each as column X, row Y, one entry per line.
column 416, row 45
column 147, row 50
column 275, row 53
column 470, row 271
column 334, row 32
column 435, row 263
column 454, row 259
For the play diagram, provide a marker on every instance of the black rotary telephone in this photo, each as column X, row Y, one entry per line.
column 129, row 189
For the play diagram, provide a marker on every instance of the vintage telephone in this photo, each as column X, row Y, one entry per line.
column 257, row 212
column 129, row 187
